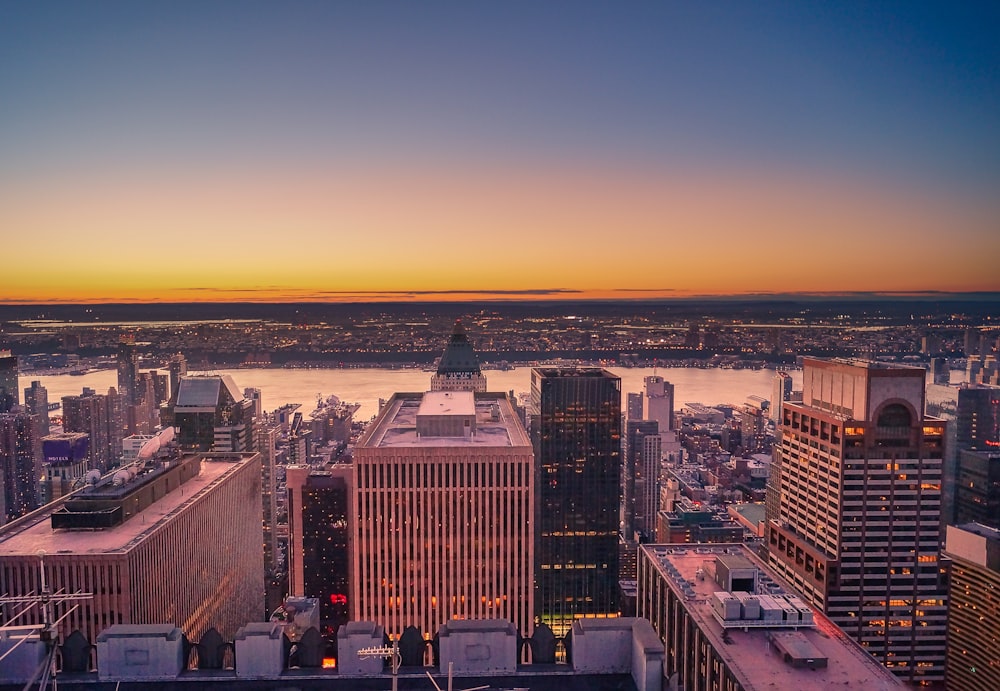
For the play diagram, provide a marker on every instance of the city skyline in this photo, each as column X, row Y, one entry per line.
column 444, row 151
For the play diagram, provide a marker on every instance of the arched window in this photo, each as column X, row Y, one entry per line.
column 895, row 415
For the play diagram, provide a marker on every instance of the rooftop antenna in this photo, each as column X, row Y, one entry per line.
column 389, row 651
column 47, row 631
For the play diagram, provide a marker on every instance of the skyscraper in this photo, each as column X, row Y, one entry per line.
column 858, row 509
column 641, row 487
column 9, row 396
column 973, row 608
column 782, row 392
column 128, row 370
column 459, row 368
column 210, row 413
column 576, row 433
column 978, row 417
column 20, row 452
column 94, row 414
column 660, row 402
column 443, row 498
column 177, row 367
column 36, row 402
column 977, row 489
column 633, row 409
column 177, row 543
column 319, row 537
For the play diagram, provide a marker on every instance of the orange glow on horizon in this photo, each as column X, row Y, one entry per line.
column 491, row 234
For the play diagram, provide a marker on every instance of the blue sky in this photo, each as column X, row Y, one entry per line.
column 897, row 97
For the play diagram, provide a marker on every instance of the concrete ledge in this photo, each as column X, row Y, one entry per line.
column 627, row 645
column 140, row 652
column 478, row 646
column 260, row 651
column 20, row 665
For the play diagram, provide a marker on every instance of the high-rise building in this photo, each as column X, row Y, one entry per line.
column 266, row 445
column 754, row 435
column 211, row 414
column 660, row 402
column 640, row 483
column 977, row 417
column 459, row 368
column 973, row 608
column 860, row 475
column 977, row 489
column 782, row 392
column 576, row 433
column 444, row 490
column 178, row 543
column 633, row 408
column 9, row 396
column 128, row 370
column 36, row 402
column 253, row 395
column 319, row 539
column 177, row 368
column 20, row 452
column 95, row 415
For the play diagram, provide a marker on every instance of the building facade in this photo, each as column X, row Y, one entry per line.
column 859, row 474
column 641, row 494
column 660, row 402
column 20, row 451
column 177, row 543
column 319, row 540
column 974, row 608
column 576, row 434
column 9, row 393
column 444, row 489
column 99, row 417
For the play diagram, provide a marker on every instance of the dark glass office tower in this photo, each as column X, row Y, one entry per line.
column 319, row 509
column 576, row 435
column 128, row 374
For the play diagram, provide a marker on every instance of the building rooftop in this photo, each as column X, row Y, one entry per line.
column 203, row 392
column 34, row 533
column 749, row 650
column 496, row 423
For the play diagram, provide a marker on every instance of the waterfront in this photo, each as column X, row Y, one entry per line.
column 366, row 385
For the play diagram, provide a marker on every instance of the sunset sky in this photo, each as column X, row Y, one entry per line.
column 214, row 151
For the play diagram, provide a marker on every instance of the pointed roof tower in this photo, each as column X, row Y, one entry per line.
column 459, row 368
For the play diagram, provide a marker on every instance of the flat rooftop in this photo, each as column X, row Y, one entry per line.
column 750, row 652
column 34, row 532
column 497, row 424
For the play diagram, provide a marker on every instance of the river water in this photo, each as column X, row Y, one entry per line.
column 366, row 385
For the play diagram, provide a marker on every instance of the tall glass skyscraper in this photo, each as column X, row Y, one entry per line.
column 576, row 434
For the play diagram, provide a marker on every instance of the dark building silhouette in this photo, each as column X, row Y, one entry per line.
column 977, row 496
column 576, row 434
column 978, row 417
column 9, row 396
column 319, row 508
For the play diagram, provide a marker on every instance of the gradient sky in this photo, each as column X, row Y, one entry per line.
column 327, row 150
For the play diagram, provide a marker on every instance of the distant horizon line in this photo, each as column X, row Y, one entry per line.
column 519, row 296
